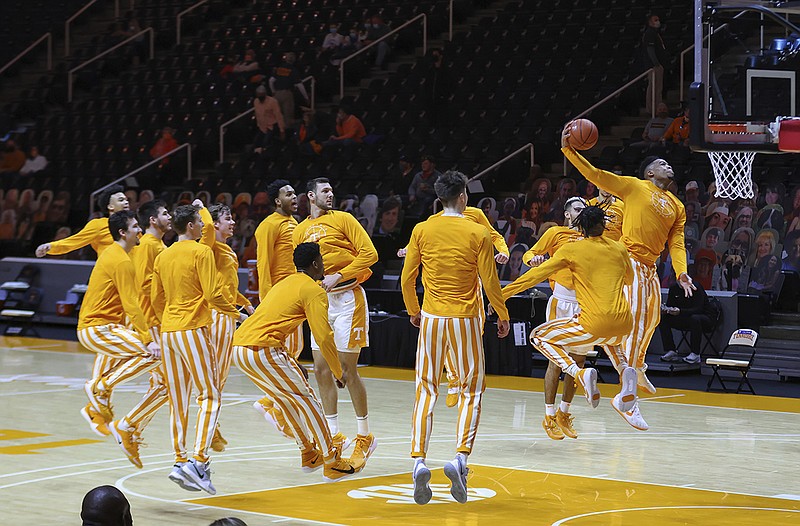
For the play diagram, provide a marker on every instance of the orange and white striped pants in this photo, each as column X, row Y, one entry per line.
column 121, row 355
column 449, row 368
column 190, row 359
column 295, row 342
column 155, row 397
column 222, row 327
column 555, row 338
column 461, row 337
column 279, row 377
column 644, row 296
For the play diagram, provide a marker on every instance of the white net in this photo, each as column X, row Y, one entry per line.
column 733, row 172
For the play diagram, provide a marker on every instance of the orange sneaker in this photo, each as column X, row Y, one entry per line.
column 551, row 428
column 364, row 447
column 128, row 440
column 311, row 460
column 564, row 421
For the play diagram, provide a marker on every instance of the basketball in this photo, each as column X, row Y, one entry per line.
column 582, row 134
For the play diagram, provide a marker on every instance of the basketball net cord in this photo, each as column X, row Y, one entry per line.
column 733, row 172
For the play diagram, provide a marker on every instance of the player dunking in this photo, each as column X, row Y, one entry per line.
column 653, row 217
column 260, row 353
column 348, row 254
column 454, row 252
column 184, row 282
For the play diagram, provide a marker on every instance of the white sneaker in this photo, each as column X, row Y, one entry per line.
column 200, row 475
column 671, row 356
column 179, row 477
column 588, row 379
column 268, row 416
column 692, row 358
column 644, row 382
column 633, row 417
column 627, row 393
column 422, row 487
column 456, row 470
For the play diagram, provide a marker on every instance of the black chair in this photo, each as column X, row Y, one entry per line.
column 707, row 335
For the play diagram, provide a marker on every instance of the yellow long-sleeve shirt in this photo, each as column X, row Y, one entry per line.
column 112, row 294
column 652, row 217
column 274, row 251
column 143, row 257
column 345, row 245
column 95, row 233
column 476, row 215
column 554, row 238
column 287, row 304
column 615, row 213
column 600, row 267
column 226, row 294
column 184, row 281
column 453, row 251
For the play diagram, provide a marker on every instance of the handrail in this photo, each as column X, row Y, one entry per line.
column 49, row 38
column 222, row 131
column 185, row 145
column 106, row 52
column 178, row 20
column 69, row 21
column 450, row 33
column 313, row 95
column 424, row 18
column 651, row 72
column 508, row 157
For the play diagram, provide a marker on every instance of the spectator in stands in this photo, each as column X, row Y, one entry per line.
column 566, row 188
column 525, row 236
column 792, row 218
column 489, row 207
column 678, row 132
column 332, row 44
column 791, row 246
column 401, row 177
column 765, row 274
column 227, row 68
column 165, row 144
column 712, row 237
column 693, row 222
column 13, row 158
column 306, row 138
column 773, row 194
column 106, row 506
column 351, row 42
column 718, row 218
column 742, row 242
column 541, row 190
column 507, row 220
column 766, row 241
column 514, row 268
column 693, row 192
column 587, row 190
column 744, row 218
column 421, row 194
column 269, row 121
column 693, row 313
column 350, row 134
column 377, row 30
column 34, row 163
column 533, row 216
column 655, row 128
column 248, row 69
column 43, row 205
column 59, row 209
column 285, row 78
column 703, row 270
column 655, row 56
column 438, row 88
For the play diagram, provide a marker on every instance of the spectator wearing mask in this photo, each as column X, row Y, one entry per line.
column 377, row 30
column 655, row 56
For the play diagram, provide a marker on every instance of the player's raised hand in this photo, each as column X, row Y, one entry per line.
column 565, row 135
column 198, row 203
column 401, row 252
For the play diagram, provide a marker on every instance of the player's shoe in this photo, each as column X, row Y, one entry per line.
column 218, row 442
column 337, row 468
column 341, row 442
column 644, row 382
column 274, row 417
column 627, row 393
column 200, row 475
column 632, row 417
column 364, row 447
column 311, row 460
column 456, row 470
column 453, row 390
column 551, row 428
column 422, row 487
column 564, row 421
column 128, row 440
column 99, row 401
column 96, row 421
column 588, row 379
column 179, row 477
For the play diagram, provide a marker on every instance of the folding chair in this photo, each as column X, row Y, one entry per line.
column 707, row 336
column 737, row 356
column 20, row 302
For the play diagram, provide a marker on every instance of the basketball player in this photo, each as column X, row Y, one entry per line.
column 501, row 257
column 184, row 282
column 260, row 353
column 274, row 262
column 653, row 217
column 562, row 304
column 218, row 228
column 110, row 297
column 454, row 252
column 614, row 208
column 348, row 254
column 600, row 268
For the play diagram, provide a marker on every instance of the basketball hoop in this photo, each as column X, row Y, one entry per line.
column 733, row 172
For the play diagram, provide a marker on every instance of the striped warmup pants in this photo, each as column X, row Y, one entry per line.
column 554, row 338
column 462, row 337
column 155, row 397
column 222, row 327
column 294, row 342
column 279, row 377
column 449, row 368
column 190, row 359
column 644, row 296
column 121, row 355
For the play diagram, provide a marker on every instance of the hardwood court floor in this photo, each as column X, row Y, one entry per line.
column 708, row 458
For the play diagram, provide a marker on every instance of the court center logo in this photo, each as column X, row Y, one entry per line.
column 315, row 233
column 404, row 493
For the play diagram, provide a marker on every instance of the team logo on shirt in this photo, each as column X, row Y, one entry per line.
column 662, row 205
column 315, row 233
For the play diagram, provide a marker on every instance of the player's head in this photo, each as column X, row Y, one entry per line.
column 308, row 259
column 320, row 193
column 155, row 214
column 105, row 506
column 656, row 170
column 222, row 218
column 228, row 521
column 113, row 199
column 283, row 196
column 186, row 221
column 451, row 189
column 123, row 225
column 591, row 221
column 572, row 209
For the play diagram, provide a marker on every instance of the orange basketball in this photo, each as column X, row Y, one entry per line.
column 582, row 134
